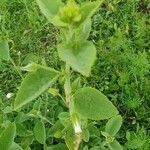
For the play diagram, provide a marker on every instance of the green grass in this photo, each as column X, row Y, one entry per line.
column 121, row 33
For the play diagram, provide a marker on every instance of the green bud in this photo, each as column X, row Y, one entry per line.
column 70, row 13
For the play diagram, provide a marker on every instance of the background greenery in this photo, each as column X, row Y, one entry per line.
column 121, row 33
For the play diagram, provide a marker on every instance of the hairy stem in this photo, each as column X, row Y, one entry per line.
column 67, row 87
column 76, row 124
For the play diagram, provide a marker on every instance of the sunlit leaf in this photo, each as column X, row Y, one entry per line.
column 81, row 58
column 39, row 132
column 83, row 31
column 34, row 84
column 113, row 125
column 49, row 7
column 15, row 146
column 92, row 104
column 115, row 146
column 7, row 137
column 89, row 8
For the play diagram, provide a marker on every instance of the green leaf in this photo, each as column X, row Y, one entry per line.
column 7, row 137
column 15, row 146
column 39, row 132
column 86, row 135
column 53, row 91
column 34, row 84
column 94, row 131
column 81, row 57
column 26, row 142
column 7, row 110
column 64, row 118
column 4, row 50
column 30, row 58
column 115, row 146
column 86, row 148
column 21, row 117
column 113, row 125
column 70, row 138
column 95, row 148
column 76, row 84
column 56, row 128
column 89, row 8
column 135, row 143
column 34, row 67
column 128, row 135
column 83, row 31
column 92, row 104
column 21, row 130
column 49, row 7
column 59, row 146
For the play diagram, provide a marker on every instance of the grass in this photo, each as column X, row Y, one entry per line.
column 121, row 33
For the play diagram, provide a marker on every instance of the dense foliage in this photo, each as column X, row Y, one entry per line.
column 121, row 34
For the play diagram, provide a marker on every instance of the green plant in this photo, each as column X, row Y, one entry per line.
column 137, row 140
column 74, row 23
column 5, row 55
column 111, row 129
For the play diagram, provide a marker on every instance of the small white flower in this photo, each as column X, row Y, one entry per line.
column 9, row 95
column 77, row 127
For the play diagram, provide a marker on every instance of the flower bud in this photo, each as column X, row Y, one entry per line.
column 70, row 13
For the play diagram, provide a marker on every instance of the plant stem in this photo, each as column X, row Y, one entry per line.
column 67, row 87
column 78, row 140
column 77, row 128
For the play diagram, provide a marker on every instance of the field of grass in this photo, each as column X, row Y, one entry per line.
column 121, row 34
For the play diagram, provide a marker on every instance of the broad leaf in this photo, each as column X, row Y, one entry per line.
column 89, row 8
column 113, row 125
column 56, row 128
column 115, row 146
column 7, row 137
column 49, row 7
column 81, row 57
column 15, row 146
column 83, row 31
column 92, row 104
column 39, row 132
column 34, row 84
column 4, row 50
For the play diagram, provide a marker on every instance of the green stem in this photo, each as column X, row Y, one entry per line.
column 67, row 87
column 69, row 101
column 16, row 68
